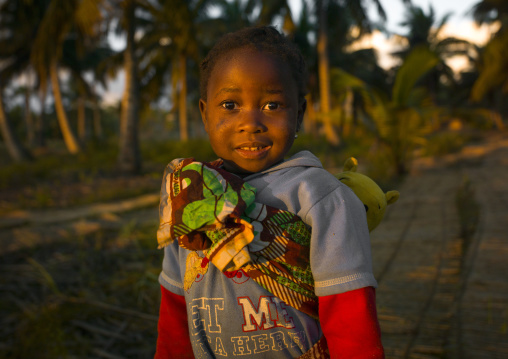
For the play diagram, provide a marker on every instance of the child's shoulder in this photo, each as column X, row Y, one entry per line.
column 300, row 177
column 305, row 167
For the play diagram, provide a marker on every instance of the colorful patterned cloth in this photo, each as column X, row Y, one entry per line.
column 213, row 210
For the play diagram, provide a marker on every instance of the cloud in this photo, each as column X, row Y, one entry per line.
column 466, row 30
column 384, row 46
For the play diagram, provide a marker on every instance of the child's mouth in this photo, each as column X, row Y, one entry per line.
column 251, row 148
column 252, row 152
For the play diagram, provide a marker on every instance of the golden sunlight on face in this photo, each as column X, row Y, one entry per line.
column 252, row 111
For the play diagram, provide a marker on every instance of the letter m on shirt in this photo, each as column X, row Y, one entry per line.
column 261, row 317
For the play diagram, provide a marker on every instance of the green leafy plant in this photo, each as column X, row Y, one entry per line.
column 405, row 118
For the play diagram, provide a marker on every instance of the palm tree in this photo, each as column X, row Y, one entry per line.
column 238, row 14
column 404, row 118
column 129, row 157
column 234, row 15
column 401, row 119
column 60, row 18
column 494, row 59
column 424, row 29
column 345, row 15
column 18, row 25
column 17, row 152
column 168, row 39
column 81, row 57
column 324, row 73
column 172, row 42
column 25, row 91
column 304, row 26
column 271, row 9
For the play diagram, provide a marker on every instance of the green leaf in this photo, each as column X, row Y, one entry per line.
column 493, row 73
column 417, row 64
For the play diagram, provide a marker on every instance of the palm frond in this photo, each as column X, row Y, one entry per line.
column 417, row 63
column 494, row 70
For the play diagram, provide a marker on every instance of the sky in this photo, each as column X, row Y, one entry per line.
column 458, row 8
column 395, row 10
column 460, row 25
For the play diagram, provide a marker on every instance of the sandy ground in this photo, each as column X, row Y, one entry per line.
column 439, row 295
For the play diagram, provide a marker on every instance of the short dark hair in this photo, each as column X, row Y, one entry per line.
column 262, row 38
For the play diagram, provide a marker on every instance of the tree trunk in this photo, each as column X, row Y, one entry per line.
column 348, row 113
column 324, row 75
column 82, row 128
column 97, row 121
column 40, row 126
column 129, row 159
column 182, row 105
column 174, row 95
column 96, row 114
column 309, row 124
column 14, row 148
column 70, row 140
column 174, row 88
column 29, row 122
column 497, row 119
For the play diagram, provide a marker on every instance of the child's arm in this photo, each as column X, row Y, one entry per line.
column 173, row 340
column 350, row 326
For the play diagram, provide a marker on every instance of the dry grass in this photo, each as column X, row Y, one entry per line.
column 95, row 296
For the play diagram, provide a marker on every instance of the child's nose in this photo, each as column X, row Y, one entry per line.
column 252, row 121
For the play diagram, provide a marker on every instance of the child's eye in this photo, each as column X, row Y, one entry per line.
column 229, row 105
column 271, row 106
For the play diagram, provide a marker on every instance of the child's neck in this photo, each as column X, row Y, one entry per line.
column 243, row 174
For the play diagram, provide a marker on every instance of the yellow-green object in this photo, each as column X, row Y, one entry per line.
column 371, row 195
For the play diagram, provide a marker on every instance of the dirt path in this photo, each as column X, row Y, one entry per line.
column 23, row 229
column 440, row 296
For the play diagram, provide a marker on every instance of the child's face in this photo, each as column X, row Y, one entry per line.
column 252, row 111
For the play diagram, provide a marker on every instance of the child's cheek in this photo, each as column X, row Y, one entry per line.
column 223, row 124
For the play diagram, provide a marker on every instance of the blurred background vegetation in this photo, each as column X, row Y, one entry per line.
column 56, row 58
column 62, row 145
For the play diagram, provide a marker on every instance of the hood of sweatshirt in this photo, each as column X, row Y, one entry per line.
column 300, row 159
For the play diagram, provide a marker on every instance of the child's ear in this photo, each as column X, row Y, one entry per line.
column 302, row 106
column 202, row 109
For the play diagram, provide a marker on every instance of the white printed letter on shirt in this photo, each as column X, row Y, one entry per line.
column 257, row 318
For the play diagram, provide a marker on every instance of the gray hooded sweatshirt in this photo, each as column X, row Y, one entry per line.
column 231, row 315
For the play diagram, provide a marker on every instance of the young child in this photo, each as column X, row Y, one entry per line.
column 263, row 257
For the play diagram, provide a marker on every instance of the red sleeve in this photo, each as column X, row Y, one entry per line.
column 350, row 325
column 173, row 340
